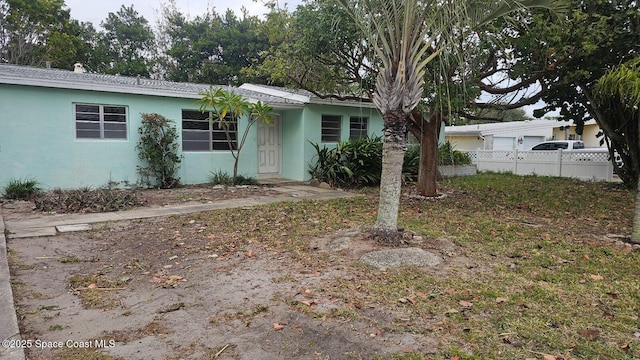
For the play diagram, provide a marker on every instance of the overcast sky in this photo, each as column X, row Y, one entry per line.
column 96, row 11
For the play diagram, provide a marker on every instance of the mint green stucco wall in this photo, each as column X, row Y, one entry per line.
column 312, row 129
column 293, row 156
column 38, row 141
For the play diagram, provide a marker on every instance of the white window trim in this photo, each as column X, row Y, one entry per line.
column 361, row 120
column 102, row 122
column 339, row 118
column 210, row 133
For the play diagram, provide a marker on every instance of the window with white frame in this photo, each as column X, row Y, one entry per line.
column 331, row 128
column 95, row 121
column 201, row 134
column 358, row 127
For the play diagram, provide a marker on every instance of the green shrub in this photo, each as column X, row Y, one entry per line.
column 158, row 147
column 353, row 163
column 19, row 189
column 220, row 178
column 246, row 180
column 447, row 155
column 356, row 163
column 411, row 163
column 223, row 178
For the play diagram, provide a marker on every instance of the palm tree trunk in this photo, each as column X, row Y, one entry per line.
column 391, row 177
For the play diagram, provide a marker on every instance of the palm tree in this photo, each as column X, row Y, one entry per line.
column 226, row 108
column 406, row 35
column 619, row 91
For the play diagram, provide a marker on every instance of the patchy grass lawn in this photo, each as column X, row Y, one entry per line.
column 544, row 277
column 548, row 282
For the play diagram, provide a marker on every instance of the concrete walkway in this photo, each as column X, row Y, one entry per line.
column 52, row 224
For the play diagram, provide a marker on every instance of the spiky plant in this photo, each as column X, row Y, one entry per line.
column 406, row 35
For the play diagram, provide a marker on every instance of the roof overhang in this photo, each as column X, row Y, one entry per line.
column 463, row 133
column 147, row 91
column 278, row 98
column 275, row 92
column 351, row 103
column 306, row 98
column 102, row 88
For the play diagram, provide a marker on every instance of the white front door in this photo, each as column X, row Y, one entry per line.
column 269, row 147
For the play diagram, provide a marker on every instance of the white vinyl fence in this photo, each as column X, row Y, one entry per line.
column 582, row 164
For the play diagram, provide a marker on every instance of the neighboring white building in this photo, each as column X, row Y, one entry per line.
column 521, row 135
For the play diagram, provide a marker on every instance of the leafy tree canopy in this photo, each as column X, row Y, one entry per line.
column 319, row 48
column 33, row 32
column 596, row 36
column 126, row 46
column 211, row 48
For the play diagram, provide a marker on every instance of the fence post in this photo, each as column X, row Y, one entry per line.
column 515, row 161
column 559, row 162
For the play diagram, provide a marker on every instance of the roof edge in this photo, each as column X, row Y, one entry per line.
column 273, row 92
column 103, row 88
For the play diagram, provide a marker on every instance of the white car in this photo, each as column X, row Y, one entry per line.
column 576, row 147
column 559, row 144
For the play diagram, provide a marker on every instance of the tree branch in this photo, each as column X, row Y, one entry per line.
column 502, row 91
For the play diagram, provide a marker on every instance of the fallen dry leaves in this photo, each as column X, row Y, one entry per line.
column 166, row 281
column 590, row 334
column 410, row 300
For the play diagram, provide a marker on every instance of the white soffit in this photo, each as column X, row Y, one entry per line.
column 274, row 92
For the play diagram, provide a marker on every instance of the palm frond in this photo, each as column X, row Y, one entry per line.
column 408, row 34
column 388, row 92
column 481, row 12
column 622, row 82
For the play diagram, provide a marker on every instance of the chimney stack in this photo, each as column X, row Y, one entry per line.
column 78, row 68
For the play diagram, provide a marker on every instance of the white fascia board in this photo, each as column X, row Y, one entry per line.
column 100, row 88
column 277, row 93
column 463, row 133
column 517, row 129
column 285, row 106
column 121, row 90
column 350, row 103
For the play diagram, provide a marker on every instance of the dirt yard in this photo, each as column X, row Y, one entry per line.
column 159, row 198
column 182, row 287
